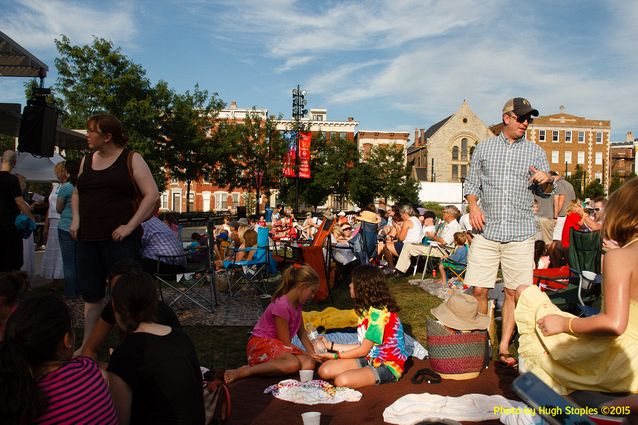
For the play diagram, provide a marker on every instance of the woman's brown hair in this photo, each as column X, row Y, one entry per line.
column 371, row 290
column 108, row 124
column 296, row 274
column 250, row 238
column 621, row 214
column 135, row 299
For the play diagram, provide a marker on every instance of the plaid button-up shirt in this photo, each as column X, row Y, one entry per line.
column 499, row 177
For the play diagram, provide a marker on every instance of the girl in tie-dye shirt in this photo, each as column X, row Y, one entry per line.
column 380, row 356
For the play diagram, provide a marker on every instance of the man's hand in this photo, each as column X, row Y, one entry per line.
column 477, row 218
column 540, row 177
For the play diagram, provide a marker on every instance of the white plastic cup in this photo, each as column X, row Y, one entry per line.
column 311, row 418
column 306, row 375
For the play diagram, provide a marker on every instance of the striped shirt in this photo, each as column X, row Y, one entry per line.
column 499, row 177
column 76, row 393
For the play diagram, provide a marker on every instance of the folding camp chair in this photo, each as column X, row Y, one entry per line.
column 251, row 273
column 567, row 287
column 455, row 268
column 187, row 286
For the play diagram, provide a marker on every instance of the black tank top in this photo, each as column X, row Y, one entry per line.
column 106, row 198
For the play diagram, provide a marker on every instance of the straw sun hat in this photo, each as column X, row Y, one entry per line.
column 368, row 216
column 460, row 312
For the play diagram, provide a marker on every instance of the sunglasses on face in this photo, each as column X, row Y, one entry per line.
column 346, row 228
column 523, row 118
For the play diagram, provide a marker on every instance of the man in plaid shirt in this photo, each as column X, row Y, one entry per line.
column 505, row 172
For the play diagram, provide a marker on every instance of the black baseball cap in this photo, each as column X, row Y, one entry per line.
column 520, row 107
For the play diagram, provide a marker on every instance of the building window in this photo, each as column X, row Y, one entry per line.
column 568, row 136
column 221, row 201
column 464, row 170
column 343, row 135
column 568, row 157
column 455, row 153
column 599, row 158
column 554, row 157
column 541, row 135
column 235, row 199
column 177, row 202
column 599, row 177
column 455, row 172
column 205, row 201
column 581, row 157
column 165, row 200
column 555, row 136
column 464, row 149
column 191, row 201
column 581, row 137
column 599, row 138
column 317, row 117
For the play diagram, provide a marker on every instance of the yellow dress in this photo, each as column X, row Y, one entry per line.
column 566, row 362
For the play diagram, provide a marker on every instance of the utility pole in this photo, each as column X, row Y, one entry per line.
column 298, row 111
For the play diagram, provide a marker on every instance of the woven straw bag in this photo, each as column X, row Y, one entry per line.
column 455, row 354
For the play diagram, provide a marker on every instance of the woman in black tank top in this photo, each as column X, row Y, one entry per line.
column 105, row 219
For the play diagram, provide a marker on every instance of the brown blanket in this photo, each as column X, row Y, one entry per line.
column 251, row 406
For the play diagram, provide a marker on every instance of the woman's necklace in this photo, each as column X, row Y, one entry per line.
column 630, row 242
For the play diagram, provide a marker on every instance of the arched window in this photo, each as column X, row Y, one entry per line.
column 455, row 153
column 464, row 149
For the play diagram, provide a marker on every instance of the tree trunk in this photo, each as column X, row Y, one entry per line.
column 188, row 195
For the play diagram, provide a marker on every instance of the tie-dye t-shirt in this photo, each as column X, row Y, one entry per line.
column 386, row 331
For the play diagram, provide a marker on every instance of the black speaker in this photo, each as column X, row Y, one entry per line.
column 241, row 211
column 38, row 130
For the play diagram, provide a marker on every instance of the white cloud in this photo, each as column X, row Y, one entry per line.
column 34, row 24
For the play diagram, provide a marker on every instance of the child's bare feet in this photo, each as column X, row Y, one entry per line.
column 231, row 375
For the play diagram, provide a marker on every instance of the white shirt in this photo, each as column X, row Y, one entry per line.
column 447, row 234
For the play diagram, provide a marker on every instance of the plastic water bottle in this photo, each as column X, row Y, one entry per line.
column 313, row 336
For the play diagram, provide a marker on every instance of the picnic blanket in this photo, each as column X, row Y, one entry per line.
column 252, row 406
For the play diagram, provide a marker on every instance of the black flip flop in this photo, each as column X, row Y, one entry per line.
column 426, row 374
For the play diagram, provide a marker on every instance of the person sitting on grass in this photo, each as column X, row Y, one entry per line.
column 154, row 374
column 41, row 381
column 457, row 260
column 380, row 356
column 12, row 286
column 270, row 351
column 163, row 315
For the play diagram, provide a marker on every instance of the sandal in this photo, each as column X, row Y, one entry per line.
column 426, row 374
column 506, row 361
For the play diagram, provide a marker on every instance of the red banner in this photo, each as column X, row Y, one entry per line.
column 289, row 158
column 304, row 155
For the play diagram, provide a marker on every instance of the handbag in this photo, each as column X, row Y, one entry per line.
column 456, row 354
column 217, row 404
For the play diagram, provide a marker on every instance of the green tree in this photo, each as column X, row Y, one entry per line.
column 576, row 180
column 99, row 78
column 615, row 184
column 186, row 145
column 251, row 155
column 367, row 184
column 594, row 189
column 387, row 163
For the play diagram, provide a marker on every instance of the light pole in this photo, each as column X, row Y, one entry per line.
column 462, row 179
column 298, row 111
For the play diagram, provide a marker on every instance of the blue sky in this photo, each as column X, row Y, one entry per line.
column 391, row 64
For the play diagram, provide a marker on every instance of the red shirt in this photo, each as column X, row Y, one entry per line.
column 571, row 221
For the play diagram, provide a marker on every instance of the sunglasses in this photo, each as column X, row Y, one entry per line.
column 523, row 118
column 346, row 228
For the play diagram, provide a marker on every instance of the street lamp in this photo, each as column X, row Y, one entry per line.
column 298, row 111
column 462, row 179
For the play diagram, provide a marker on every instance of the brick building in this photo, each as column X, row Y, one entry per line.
column 570, row 140
column 207, row 196
column 623, row 157
column 367, row 139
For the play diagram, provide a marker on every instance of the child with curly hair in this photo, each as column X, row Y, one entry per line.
column 380, row 356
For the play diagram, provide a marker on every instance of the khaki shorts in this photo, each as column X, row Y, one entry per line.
column 516, row 260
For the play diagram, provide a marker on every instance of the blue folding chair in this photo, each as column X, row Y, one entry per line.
column 253, row 273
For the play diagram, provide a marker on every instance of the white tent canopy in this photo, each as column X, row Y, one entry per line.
column 36, row 168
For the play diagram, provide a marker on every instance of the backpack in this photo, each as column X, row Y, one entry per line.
column 217, row 403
